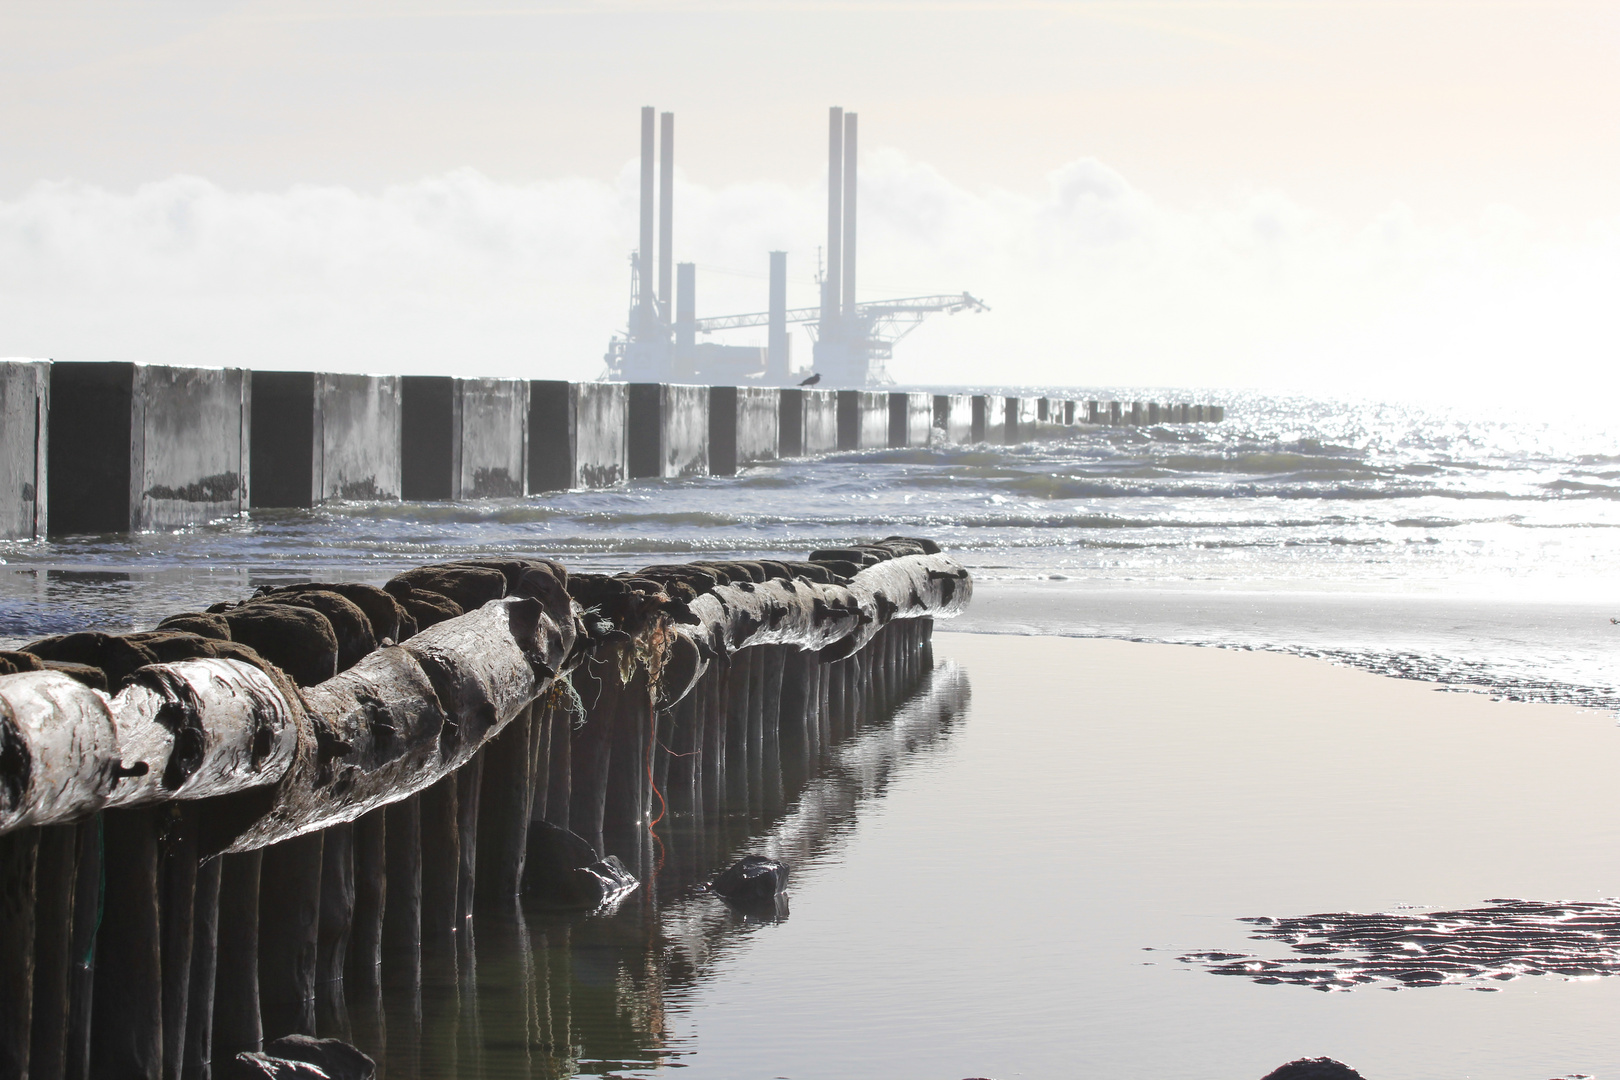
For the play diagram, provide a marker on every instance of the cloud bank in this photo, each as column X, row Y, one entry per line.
column 1093, row 282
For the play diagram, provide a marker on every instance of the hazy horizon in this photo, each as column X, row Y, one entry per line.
column 1395, row 200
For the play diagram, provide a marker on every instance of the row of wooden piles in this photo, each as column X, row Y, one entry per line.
column 453, row 741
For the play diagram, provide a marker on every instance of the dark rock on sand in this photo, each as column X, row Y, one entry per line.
column 300, row 1057
column 561, row 870
column 1320, row 1068
column 751, row 879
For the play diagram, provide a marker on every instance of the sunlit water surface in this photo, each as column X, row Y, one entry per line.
column 1008, row 878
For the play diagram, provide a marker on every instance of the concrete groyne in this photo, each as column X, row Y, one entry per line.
column 209, row 828
column 106, row 448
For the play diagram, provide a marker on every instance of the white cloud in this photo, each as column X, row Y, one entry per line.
column 1093, row 282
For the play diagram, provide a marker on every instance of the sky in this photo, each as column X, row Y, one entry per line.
column 1407, row 198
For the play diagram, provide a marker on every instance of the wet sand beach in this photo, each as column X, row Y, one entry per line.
column 1017, row 902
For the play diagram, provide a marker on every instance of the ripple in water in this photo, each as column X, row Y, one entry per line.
column 1473, row 947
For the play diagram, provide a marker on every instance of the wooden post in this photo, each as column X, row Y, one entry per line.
column 126, row 1032
column 237, row 1026
column 560, row 782
column 402, row 917
column 509, row 763
column 289, row 934
column 177, row 884
column 337, row 903
column 87, row 903
column 441, row 858
column 335, row 927
column 199, row 1051
column 773, row 663
column 716, row 694
column 364, row 964
column 592, row 750
column 19, row 855
column 56, row 872
column 736, row 705
column 627, row 708
column 469, row 791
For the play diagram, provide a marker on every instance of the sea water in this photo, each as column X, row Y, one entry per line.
column 1474, row 549
column 961, row 907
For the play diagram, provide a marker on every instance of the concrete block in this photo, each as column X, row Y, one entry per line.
column 953, row 417
column 1028, row 416
column 989, row 419
column 1069, row 410
column 1217, row 413
column 1094, row 412
column 669, row 430
column 324, row 437
column 1153, row 416
column 464, row 438
column 1138, row 415
column 863, row 419
column 744, row 426
column 427, row 433
column 1021, row 413
column 911, row 418
column 578, row 435
column 1043, row 410
column 137, row 447
column 1116, row 413
column 25, row 410
column 492, row 429
column 1200, row 414
column 807, row 422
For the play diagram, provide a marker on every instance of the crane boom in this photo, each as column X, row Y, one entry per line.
column 947, row 302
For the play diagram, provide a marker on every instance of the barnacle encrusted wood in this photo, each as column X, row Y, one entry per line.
column 401, row 717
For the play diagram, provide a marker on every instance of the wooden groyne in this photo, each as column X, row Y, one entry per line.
column 208, row 829
column 100, row 448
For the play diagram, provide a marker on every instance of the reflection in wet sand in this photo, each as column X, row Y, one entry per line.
column 1474, row 947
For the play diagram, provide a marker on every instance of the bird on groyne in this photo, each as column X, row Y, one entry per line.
column 812, row 380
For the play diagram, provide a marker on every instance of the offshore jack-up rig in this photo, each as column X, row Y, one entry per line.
column 853, row 341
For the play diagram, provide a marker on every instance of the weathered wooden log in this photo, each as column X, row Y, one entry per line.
column 237, row 1024
column 55, row 876
column 289, row 934
column 364, row 965
column 408, row 716
column 177, row 883
column 58, row 749
column 203, row 728
column 199, row 1052
column 19, row 854
column 126, row 1031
